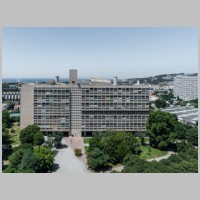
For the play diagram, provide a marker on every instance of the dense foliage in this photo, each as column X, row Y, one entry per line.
column 186, row 161
column 11, row 106
column 38, row 138
column 110, row 148
column 160, row 103
column 168, row 97
column 26, row 159
column 57, row 139
column 160, row 128
column 98, row 160
column 6, row 143
column 194, row 102
column 6, row 121
column 164, row 130
column 27, row 135
column 44, row 158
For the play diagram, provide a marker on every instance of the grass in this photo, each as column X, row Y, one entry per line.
column 146, row 139
column 86, row 148
column 15, row 135
column 153, row 153
column 86, row 140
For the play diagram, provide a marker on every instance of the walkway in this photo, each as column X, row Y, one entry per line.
column 169, row 153
column 67, row 162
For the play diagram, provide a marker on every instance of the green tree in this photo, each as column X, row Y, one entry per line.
column 192, row 136
column 133, row 164
column 160, row 128
column 38, row 138
column 160, row 103
column 118, row 145
column 180, row 131
column 98, row 161
column 96, row 141
column 6, row 144
column 6, row 119
column 44, row 158
column 16, row 158
column 58, row 136
column 28, row 162
column 10, row 169
column 11, row 106
column 27, row 134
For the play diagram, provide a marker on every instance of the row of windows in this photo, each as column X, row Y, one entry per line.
column 114, row 117
column 112, row 89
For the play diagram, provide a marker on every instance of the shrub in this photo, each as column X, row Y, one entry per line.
column 78, row 152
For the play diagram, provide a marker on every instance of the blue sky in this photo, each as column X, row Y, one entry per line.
column 98, row 52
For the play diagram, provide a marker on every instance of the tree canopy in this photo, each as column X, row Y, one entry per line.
column 111, row 148
column 160, row 103
column 27, row 134
column 160, row 128
column 186, row 161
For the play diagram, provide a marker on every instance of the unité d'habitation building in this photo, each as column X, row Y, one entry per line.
column 82, row 108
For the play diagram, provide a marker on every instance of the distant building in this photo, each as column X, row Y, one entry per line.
column 17, row 107
column 81, row 109
column 187, row 114
column 186, row 87
column 12, row 96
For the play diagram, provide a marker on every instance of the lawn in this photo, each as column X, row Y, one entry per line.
column 146, row 139
column 86, row 140
column 15, row 135
column 149, row 152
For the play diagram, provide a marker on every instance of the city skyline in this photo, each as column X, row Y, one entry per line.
column 98, row 52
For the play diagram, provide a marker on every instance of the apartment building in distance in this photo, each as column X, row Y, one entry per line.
column 186, row 87
column 80, row 109
column 11, row 96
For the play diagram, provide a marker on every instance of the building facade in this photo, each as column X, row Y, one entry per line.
column 78, row 109
column 186, row 87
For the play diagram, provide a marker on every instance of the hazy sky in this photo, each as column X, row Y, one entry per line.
column 98, row 52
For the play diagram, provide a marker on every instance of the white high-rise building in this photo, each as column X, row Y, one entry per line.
column 186, row 87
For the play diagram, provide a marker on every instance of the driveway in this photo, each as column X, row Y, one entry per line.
column 67, row 162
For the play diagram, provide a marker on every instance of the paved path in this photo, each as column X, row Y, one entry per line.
column 169, row 153
column 67, row 162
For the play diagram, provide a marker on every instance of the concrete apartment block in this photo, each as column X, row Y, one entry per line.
column 80, row 110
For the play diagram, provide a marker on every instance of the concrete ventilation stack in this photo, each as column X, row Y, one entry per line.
column 138, row 82
column 56, row 79
column 73, row 76
column 115, row 80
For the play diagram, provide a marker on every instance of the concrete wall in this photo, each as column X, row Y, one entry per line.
column 26, row 115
